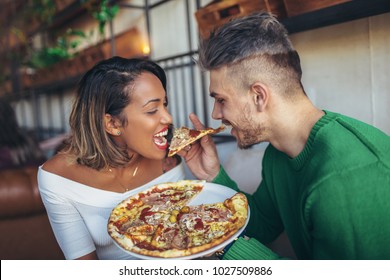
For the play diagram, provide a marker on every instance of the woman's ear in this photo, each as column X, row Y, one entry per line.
column 111, row 125
column 260, row 95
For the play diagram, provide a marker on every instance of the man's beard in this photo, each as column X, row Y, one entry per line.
column 249, row 133
column 249, row 137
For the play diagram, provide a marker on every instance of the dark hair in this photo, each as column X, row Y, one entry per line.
column 22, row 147
column 106, row 88
column 9, row 133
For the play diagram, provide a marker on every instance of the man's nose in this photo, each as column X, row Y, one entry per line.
column 217, row 113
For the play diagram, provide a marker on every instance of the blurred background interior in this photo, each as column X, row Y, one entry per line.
column 46, row 45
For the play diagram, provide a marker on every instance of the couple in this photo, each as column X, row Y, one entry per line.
column 326, row 177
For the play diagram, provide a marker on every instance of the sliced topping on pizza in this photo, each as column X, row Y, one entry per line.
column 191, row 222
column 184, row 136
column 154, row 199
column 131, row 240
column 145, row 229
column 167, row 197
column 151, row 217
column 180, row 241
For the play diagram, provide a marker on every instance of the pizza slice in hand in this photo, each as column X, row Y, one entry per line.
column 184, row 136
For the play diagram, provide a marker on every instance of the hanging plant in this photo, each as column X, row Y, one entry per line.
column 63, row 49
column 103, row 12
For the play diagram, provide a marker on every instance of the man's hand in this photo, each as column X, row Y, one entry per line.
column 201, row 156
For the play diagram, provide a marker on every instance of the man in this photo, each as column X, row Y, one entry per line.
column 326, row 177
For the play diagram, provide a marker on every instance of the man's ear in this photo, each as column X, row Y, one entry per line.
column 260, row 95
column 111, row 125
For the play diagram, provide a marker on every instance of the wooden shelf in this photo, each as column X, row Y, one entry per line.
column 219, row 12
column 74, row 10
column 296, row 17
column 127, row 44
column 344, row 12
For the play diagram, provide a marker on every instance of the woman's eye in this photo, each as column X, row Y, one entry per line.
column 152, row 112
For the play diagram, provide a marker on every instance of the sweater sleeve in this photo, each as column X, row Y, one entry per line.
column 265, row 223
column 224, row 179
column 260, row 225
column 250, row 249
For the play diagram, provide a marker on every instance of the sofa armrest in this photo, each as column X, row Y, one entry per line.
column 19, row 194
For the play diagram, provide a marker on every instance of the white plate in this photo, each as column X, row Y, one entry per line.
column 211, row 193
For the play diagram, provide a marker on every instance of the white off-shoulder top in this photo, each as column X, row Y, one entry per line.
column 79, row 213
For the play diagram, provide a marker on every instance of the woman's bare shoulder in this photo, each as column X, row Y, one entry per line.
column 59, row 164
column 65, row 165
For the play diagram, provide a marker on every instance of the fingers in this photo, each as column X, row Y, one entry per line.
column 196, row 122
column 187, row 148
column 198, row 125
column 184, row 151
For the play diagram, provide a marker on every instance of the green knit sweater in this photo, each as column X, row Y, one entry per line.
column 333, row 199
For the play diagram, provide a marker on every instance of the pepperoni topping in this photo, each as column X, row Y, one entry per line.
column 178, row 217
column 213, row 210
column 194, row 133
column 118, row 224
column 145, row 212
column 199, row 224
column 134, row 202
column 148, row 246
column 172, row 194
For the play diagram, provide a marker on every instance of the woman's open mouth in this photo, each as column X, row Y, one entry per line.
column 160, row 140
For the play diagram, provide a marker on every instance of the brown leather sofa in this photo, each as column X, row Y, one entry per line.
column 25, row 231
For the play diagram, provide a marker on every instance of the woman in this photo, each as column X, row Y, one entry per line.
column 119, row 126
column 17, row 148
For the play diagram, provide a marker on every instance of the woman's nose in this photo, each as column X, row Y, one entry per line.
column 166, row 118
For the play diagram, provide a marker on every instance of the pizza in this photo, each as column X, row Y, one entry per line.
column 184, row 136
column 159, row 222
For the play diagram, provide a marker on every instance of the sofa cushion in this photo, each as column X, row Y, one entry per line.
column 25, row 231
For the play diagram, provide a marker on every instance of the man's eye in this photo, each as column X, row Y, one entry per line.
column 220, row 100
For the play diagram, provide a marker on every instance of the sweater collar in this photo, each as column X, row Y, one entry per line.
column 299, row 161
